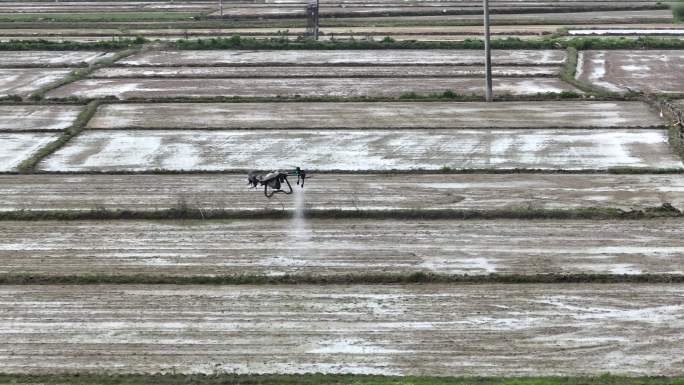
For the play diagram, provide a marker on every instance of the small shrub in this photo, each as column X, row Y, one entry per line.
column 234, row 40
column 678, row 12
column 11, row 98
column 449, row 94
column 409, row 95
column 568, row 95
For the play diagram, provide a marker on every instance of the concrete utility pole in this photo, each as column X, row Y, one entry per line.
column 317, row 20
column 488, row 55
column 312, row 19
column 221, row 7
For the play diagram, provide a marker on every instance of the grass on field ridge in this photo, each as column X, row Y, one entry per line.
column 184, row 211
column 580, row 43
column 322, row 379
column 415, row 278
column 678, row 11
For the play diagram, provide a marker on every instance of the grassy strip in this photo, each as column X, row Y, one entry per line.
column 446, row 95
column 320, row 379
column 114, row 44
column 183, row 211
column 675, row 115
column 79, row 124
column 676, row 139
column 13, row 99
column 339, row 279
column 676, row 128
column 580, row 43
column 678, row 11
column 238, row 42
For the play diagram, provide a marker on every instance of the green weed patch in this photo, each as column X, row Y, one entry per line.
column 340, row 279
column 184, row 211
column 580, row 43
column 45, row 45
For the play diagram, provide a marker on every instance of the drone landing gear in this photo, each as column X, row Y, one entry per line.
column 277, row 190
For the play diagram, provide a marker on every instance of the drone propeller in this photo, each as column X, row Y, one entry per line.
column 301, row 175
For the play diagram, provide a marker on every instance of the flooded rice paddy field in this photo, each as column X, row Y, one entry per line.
column 346, row 192
column 488, row 330
column 19, row 59
column 364, row 150
column 305, row 87
column 341, row 57
column 23, row 82
column 37, row 117
column 341, row 247
column 387, row 115
column 653, row 71
column 18, row 146
column 400, row 156
column 325, row 72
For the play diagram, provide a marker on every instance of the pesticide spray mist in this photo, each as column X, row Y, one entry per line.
column 299, row 228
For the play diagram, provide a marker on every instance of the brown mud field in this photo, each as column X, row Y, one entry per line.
column 341, row 247
column 482, row 330
column 342, row 192
column 396, row 115
column 23, row 82
column 652, row 71
column 392, row 57
column 364, row 150
column 37, row 118
column 324, row 72
column 303, row 87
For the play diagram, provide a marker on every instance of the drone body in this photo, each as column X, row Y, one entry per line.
column 275, row 180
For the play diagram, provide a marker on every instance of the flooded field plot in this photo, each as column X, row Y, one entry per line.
column 628, row 32
column 565, row 18
column 305, row 87
column 543, row 114
column 335, row 247
column 340, row 57
column 266, row 31
column 136, row 150
column 326, row 72
column 621, row 71
column 15, row 147
column 23, row 82
column 431, row 8
column 103, row 6
column 50, row 58
column 501, row 330
column 377, row 31
column 37, row 118
column 351, row 192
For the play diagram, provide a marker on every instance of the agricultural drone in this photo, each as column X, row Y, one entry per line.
column 275, row 180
